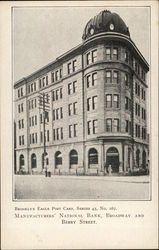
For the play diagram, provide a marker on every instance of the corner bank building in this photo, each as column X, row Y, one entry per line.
column 96, row 98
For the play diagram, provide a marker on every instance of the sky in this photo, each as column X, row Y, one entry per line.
column 40, row 35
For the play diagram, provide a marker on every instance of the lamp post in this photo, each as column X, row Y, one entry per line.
column 44, row 106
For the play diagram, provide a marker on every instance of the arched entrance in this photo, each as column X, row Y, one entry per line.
column 112, row 157
column 73, row 158
column 33, row 161
column 58, row 159
column 21, row 161
column 144, row 159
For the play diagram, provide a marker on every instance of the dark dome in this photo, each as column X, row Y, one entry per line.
column 105, row 21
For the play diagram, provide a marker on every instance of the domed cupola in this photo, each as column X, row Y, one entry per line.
column 105, row 21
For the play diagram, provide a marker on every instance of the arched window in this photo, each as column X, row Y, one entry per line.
column 73, row 157
column 21, row 161
column 58, row 159
column 137, row 157
column 112, row 151
column 93, row 156
column 33, row 161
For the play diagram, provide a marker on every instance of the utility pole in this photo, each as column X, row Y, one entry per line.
column 44, row 106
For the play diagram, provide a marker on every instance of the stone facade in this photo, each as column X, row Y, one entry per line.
column 97, row 110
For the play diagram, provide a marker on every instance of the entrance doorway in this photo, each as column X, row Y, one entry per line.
column 112, row 158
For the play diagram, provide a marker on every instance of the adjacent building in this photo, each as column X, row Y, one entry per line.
column 96, row 96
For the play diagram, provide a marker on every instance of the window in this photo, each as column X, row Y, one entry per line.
column 116, row 125
column 88, row 58
column 115, row 54
column 136, row 88
column 94, row 79
column 109, row 125
column 70, row 131
column 70, row 109
column 61, row 113
column 74, row 65
column 60, row 93
column 94, row 102
column 73, row 157
column 18, row 93
column 108, row 101
column 126, row 103
column 94, row 55
column 74, row 86
column 75, row 108
column 108, row 76
column 19, row 124
column 35, row 120
column 116, row 101
column 52, row 77
column 22, row 107
column 88, row 81
column 57, row 94
column 57, row 133
column 93, row 156
column 61, row 133
column 95, row 126
column 108, row 54
column 41, row 136
column 70, row 90
column 88, row 104
column 21, row 91
column 75, row 130
column 127, row 126
column 126, row 56
column 126, row 79
column 69, row 68
column 34, row 86
column 89, row 127
column 57, row 114
column 60, row 73
column 115, row 76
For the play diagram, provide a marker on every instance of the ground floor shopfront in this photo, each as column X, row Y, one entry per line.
column 86, row 158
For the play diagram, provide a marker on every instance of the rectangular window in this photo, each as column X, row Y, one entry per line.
column 22, row 107
column 41, row 118
column 70, row 131
column 94, row 56
column 70, row 90
column 75, row 108
column 126, row 56
column 18, row 93
column 95, row 127
column 22, row 123
column 74, row 65
column 32, row 87
column 108, row 101
column 57, row 133
column 108, row 77
column 32, row 104
column 53, row 96
column 61, row 133
column 115, row 76
column 70, row 109
column 21, row 91
column 57, row 75
column 136, row 88
column 22, row 139
column 109, row 125
column 94, row 102
column 52, row 77
column 88, row 58
column 19, row 124
column 115, row 54
column 32, row 120
column 19, row 108
column 29, row 89
column 136, row 108
column 75, row 130
column 57, row 114
column 127, row 126
column 60, row 93
column 40, row 84
column 60, row 73
column 116, row 125
column 88, row 81
column 61, row 113
column 136, row 130
column 94, row 79
column 89, row 127
column 116, row 101
column 57, row 94
column 69, row 68
column 35, row 120
column 53, row 114
column 126, row 79
column 35, row 103
column 74, row 86
column 88, row 104
column 126, row 103
column 139, row 131
column 108, row 54
column 36, row 138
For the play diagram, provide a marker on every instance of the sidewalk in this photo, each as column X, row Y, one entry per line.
column 129, row 179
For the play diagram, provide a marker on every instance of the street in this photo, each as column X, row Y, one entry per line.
column 81, row 187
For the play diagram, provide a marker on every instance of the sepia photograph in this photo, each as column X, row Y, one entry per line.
column 81, row 106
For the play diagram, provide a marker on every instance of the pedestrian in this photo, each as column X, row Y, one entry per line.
column 110, row 169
